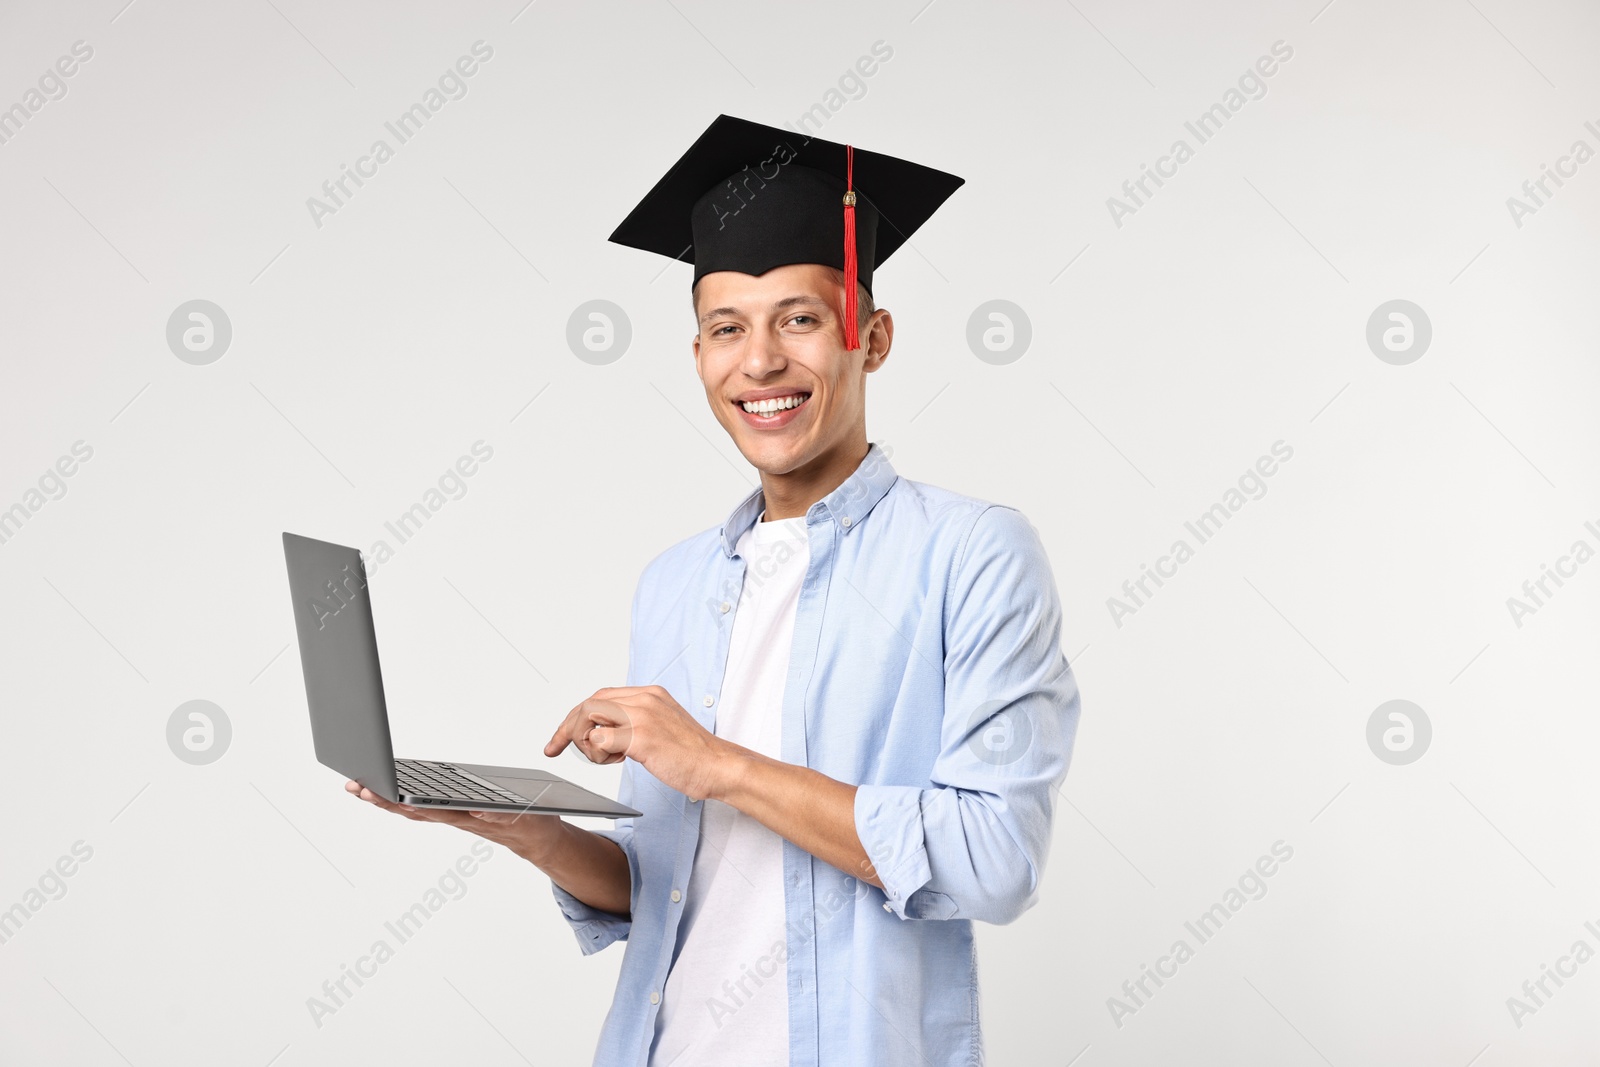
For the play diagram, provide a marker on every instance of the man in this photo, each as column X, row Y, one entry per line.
column 847, row 709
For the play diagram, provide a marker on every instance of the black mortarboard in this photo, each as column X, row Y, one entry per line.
column 748, row 197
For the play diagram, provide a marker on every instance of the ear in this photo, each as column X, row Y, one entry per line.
column 694, row 343
column 880, row 338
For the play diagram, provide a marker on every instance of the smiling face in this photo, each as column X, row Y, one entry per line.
column 773, row 343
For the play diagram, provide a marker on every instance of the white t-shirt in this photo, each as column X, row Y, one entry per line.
column 726, row 999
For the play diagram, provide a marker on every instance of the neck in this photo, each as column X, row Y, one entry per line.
column 791, row 495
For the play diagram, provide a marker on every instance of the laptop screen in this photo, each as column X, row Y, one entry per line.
column 339, row 656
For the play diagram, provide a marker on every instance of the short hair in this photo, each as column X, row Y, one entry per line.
column 864, row 303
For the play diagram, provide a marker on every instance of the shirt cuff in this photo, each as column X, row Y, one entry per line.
column 595, row 929
column 889, row 822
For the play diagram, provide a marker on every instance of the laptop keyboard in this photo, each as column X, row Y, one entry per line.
column 423, row 778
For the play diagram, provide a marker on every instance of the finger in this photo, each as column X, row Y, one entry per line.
column 607, row 712
column 613, row 716
column 598, row 740
column 610, row 729
column 622, row 692
column 450, row 817
column 574, row 729
column 492, row 820
column 363, row 793
column 558, row 739
column 584, row 743
column 382, row 802
column 555, row 745
column 564, row 732
column 608, row 744
column 625, row 690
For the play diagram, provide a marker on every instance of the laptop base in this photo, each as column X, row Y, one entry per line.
column 482, row 787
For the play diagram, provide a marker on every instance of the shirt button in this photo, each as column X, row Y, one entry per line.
column 676, row 896
column 724, row 606
column 845, row 521
column 887, row 908
column 655, row 998
column 709, row 700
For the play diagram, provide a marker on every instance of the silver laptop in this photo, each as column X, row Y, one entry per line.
column 350, row 721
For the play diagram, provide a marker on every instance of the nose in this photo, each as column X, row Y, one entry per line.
column 763, row 355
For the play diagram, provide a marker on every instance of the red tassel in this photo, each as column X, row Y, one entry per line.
column 852, row 329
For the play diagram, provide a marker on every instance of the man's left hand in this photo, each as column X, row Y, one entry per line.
column 645, row 724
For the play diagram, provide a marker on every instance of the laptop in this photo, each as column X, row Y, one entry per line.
column 350, row 720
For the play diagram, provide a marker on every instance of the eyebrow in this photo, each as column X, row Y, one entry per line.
column 786, row 302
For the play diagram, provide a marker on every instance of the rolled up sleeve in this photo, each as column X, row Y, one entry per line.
column 972, row 843
column 595, row 929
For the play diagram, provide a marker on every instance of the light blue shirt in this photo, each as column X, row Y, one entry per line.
column 927, row 670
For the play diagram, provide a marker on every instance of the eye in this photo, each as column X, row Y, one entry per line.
column 719, row 330
column 803, row 319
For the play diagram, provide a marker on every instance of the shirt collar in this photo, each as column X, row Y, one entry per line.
column 846, row 506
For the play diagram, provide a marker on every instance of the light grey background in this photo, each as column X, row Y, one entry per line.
column 1168, row 353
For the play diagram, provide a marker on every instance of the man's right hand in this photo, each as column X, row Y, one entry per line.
column 529, row 835
column 594, row 869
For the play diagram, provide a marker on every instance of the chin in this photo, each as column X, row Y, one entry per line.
column 773, row 457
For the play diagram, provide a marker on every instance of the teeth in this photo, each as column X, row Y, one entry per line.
column 767, row 407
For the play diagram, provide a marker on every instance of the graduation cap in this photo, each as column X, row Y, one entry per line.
column 747, row 197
